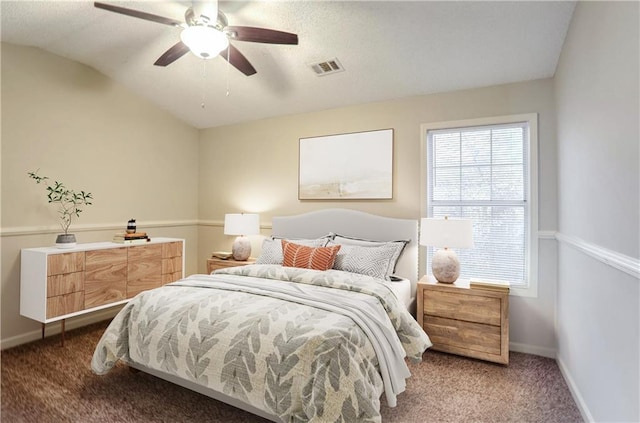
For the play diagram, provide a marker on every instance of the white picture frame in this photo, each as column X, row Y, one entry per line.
column 356, row 165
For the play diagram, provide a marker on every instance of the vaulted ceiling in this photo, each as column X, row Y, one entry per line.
column 388, row 49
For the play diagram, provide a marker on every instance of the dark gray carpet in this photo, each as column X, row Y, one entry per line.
column 44, row 382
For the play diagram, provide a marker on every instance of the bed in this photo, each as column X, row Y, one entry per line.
column 319, row 333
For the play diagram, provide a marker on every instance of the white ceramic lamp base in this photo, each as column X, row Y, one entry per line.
column 241, row 248
column 445, row 266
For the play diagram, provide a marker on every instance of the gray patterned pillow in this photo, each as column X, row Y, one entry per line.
column 272, row 248
column 375, row 259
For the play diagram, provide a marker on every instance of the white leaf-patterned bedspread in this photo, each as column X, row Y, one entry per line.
column 244, row 331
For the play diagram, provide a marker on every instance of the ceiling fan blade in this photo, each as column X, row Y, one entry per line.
column 173, row 54
column 261, row 35
column 237, row 59
column 137, row 14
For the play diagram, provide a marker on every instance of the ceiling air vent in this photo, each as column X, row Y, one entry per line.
column 327, row 67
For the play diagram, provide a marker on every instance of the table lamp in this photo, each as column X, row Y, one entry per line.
column 241, row 224
column 446, row 234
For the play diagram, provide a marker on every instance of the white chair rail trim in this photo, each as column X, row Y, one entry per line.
column 612, row 258
column 36, row 230
column 547, row 235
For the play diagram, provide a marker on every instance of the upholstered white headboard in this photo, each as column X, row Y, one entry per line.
column 356, row 224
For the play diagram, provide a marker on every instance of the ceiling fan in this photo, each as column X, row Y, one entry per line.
column 206, row 37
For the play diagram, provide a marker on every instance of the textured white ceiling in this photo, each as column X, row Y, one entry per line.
column 389, row 49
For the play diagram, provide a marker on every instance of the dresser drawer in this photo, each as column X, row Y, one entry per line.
column 448, row 334
column 145, row 252
column 58, row 264
column 171, row 265
column 143, row 275
column 106, row 265
column 65, row 284
column 171, row 277
column 105, row 277
column 172, row 249
column 65, row 304
column 470, row 308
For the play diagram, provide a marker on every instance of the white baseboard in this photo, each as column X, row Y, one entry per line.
column 575, row 392
column 56, row 328
column 532, row 349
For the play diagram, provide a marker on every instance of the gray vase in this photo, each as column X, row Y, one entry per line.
column 66, row 241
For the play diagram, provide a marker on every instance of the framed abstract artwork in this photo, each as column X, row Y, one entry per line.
column 357, row 165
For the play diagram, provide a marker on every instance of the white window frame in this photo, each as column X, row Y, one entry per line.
column 530, row 289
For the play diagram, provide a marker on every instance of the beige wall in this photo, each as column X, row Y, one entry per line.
column 253, row 167
column 247, row 167
column 78, row 126
column 597, row 86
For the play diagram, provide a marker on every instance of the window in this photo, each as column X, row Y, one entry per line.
column 485, row 170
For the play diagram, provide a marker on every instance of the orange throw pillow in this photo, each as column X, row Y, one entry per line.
column 318, row 258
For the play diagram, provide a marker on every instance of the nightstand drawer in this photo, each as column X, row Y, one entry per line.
column 216, row 263
column 449, row 334
column 471, row 308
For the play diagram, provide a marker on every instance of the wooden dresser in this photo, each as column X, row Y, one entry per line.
column 460, row 320
column 56, row 284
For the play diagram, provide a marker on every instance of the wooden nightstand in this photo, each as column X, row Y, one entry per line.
column 215, row 263
column 465, row 321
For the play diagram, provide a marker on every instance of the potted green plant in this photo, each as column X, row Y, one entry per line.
column 69, row 203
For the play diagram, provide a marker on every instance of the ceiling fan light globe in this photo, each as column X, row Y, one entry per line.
column 205, row 42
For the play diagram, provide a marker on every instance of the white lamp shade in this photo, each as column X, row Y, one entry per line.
column 204, row 41
column 446, row 233
column 241, row 224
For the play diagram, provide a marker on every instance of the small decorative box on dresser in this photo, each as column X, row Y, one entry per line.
column 56, row 284
column 467, row 321
column 215, row 263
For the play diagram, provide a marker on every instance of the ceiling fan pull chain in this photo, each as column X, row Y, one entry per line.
column 204, row 82
column 228, row 63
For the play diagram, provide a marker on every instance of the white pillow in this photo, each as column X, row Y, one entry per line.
column 392, row 248
column 378, row 260
column 272, row 248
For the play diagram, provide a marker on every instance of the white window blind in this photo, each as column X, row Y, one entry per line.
column 481, row 173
